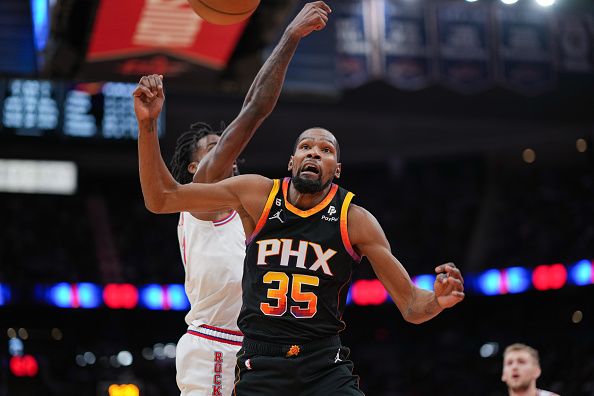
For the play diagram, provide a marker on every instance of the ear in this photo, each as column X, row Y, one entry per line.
column 338, row 170
column 537, row 372
column 290, row 166
column 193, row 167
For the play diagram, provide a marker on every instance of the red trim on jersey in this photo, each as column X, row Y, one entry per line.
column 220, row 330
column 311, row 211
column 225, row 220
column 265, row 212
column 344, row 232
column 213, row 338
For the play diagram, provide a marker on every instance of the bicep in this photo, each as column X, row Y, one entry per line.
column 204, row 197
column 370, row 241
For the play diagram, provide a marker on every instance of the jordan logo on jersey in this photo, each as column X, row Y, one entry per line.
column 283, row 248
column 277, row 216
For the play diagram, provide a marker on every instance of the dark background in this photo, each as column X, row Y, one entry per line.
column 443, row 173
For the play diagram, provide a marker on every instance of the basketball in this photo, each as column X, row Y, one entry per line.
column 224, row 12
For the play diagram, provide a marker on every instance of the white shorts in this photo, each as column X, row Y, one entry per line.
column 205, row 361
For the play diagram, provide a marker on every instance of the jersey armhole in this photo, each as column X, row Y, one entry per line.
column 344, row 232
column 264, row 215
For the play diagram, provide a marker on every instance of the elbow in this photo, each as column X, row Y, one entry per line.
column 414, row 320
column 157, row 204
column 410, row 317
column 153, row 206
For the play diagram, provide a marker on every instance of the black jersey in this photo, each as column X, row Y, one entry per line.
column 297, row 269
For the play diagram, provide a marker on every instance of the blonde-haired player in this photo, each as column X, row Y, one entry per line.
column 521, row 369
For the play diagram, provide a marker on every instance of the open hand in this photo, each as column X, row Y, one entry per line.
column 449, row 285
column 313, row 16
column 149, row 97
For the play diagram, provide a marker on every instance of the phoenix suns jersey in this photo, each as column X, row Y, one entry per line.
column 297, row 269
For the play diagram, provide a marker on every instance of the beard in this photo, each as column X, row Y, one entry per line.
column 521, row 387
column 308, row 186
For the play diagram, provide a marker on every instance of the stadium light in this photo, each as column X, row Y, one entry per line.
column 545, row 3
column 489, row 282
column 517, row 279
column 582, row 273
column 152, row 297
column 369, row 292
column 508, row 2
column 424, row 281
column 4, row 294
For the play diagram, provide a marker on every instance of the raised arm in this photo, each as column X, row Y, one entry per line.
column 162, row 194
column 416, row 305
column 262, row 95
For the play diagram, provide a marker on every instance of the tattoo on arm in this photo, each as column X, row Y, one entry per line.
column 267, row 85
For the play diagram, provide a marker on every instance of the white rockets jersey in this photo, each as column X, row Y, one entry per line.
column 212, row 254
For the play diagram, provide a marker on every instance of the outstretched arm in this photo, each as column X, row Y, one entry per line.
column 262, row 95
column 416, row 305
column 162, row 194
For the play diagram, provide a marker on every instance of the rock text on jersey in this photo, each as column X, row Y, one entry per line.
column 284, row 249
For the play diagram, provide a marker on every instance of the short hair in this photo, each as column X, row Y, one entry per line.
column 185, row 146
column 335, row 139
column 522, row 347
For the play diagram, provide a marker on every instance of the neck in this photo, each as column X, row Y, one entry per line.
column 306, row 201
column 530, row 391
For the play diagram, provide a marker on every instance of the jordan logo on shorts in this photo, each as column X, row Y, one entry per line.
column 337, row 358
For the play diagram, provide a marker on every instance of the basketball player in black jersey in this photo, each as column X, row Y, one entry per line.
column 304, row 238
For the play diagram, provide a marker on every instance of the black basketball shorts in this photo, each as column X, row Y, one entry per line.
column 318, row 368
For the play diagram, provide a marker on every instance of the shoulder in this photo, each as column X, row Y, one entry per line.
column 358, row 214
column 363, row 226
column 250, row 181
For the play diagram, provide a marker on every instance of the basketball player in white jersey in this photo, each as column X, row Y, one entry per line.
column 213, row 244
column 521, row 369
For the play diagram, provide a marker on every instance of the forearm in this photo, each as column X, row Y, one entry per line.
column 259, row 103
column 422, row 306
column 267, row 86
column 155, row 179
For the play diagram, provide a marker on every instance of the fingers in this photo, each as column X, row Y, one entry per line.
column 323, row 16
column 142, row 90
column 454, row 272
column 441, row 278
column 149, row 87
column 441, row 268
column 323, row 6
column 450, row 269
column 152, row 82
column 456, row 284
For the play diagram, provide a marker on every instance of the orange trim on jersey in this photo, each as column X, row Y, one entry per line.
column 344, row 232
column 315, row 209
column 264, row 215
